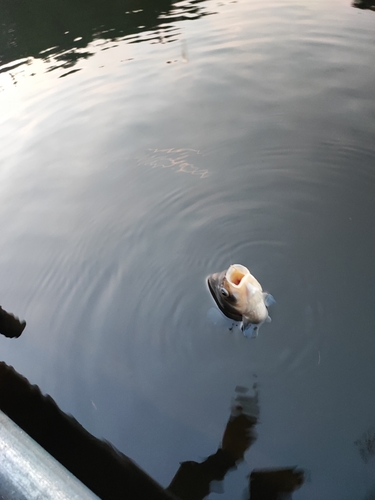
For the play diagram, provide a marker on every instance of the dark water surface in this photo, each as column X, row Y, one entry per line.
column 143, row 148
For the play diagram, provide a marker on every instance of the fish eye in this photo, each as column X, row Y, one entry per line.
column 224, row 292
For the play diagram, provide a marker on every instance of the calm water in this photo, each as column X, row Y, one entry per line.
column 142, row 149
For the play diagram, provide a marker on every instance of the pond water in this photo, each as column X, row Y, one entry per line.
column 143, row 148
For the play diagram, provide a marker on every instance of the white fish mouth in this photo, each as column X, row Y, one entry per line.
column 236, row 273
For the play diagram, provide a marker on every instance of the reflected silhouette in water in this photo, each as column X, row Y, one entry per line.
column 275, row 484
column 103, row 469
column 364, row 4
column 110, row 474
column 63, row 29
column 193, row 481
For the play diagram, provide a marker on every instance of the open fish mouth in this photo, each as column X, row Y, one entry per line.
column 235, row 274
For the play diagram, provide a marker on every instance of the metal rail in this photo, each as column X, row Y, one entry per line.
column 28, row 472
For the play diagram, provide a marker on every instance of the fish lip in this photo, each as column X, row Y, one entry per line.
column 232, row 269
column 213, row 281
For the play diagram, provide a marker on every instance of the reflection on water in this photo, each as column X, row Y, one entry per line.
column 103, row 469
column 194, row 481
column 364, row 4
column 111, row 475
column 65, row 31
column 178, row 160
column 248, row 138
column 366, row 445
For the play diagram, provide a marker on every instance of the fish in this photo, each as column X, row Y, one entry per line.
column 240, row 297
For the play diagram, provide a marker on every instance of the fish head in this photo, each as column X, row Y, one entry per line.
column 230, row 291
column 240, row 297
column 225, row 298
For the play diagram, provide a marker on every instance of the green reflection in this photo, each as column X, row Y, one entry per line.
column 43, row 27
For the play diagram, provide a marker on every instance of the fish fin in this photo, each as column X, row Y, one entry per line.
column 268, row 299
column 249, row 329
column 268, row 319
column 245, row 323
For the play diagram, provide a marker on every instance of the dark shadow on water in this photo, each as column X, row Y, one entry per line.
column 194, row 481
column 42, row 28
column 10, row 326
column 364, row 4
column 366, row 448
column 103, row 469
column 366, row 445
column 112, row 475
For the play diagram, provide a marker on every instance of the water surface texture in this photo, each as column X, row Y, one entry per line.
column 145, row 147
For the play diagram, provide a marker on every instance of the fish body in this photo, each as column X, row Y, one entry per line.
column 240, row 296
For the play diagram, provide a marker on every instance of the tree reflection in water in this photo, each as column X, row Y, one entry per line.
column 364, row 4
column 65, row 29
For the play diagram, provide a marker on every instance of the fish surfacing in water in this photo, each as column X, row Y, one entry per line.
column 240, row 297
